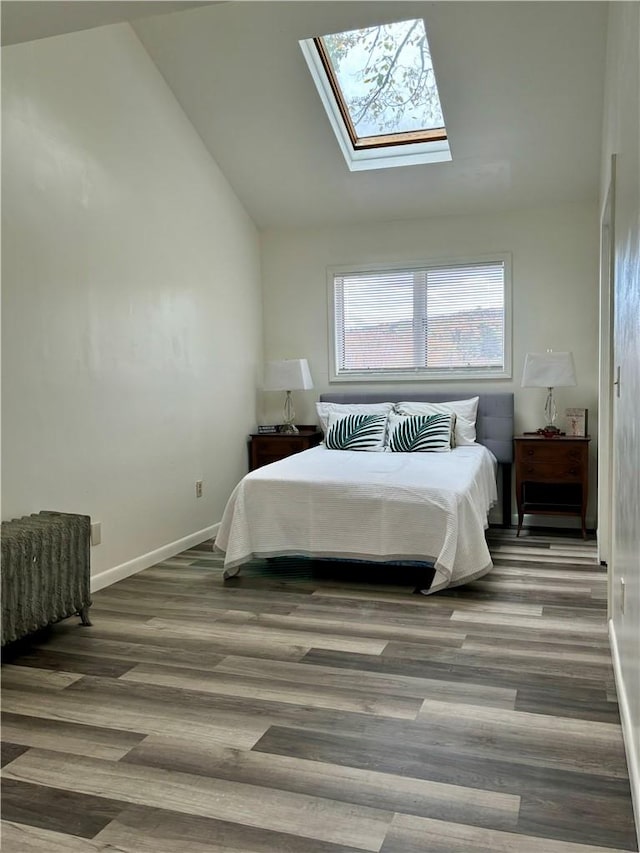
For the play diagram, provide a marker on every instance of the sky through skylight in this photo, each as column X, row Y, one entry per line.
column 386, row 78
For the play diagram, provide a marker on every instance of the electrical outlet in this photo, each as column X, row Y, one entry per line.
column 96, row 533
column 198, row 488
column 622, row 592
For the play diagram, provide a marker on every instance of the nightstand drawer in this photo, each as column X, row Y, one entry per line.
column 279, row 447
column 551, row 472
column 261, row 459
column 556, row 453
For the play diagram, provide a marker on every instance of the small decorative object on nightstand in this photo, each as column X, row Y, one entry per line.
column 576, row 421
column 266, row 448
column 552, row 477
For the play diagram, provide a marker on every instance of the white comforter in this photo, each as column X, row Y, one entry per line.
column 428, row 507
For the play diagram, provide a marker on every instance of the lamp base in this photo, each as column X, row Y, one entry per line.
column 288, row 417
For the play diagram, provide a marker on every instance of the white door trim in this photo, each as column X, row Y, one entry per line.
column 606, row 369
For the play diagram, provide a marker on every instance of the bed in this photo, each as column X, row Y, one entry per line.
column 421, row 509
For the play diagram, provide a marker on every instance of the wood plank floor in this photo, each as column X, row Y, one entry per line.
column 301, row 709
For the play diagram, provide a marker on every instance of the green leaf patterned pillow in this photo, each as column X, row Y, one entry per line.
column 420, row 433
column 356, row 432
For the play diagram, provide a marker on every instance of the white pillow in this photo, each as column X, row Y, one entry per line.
column 325, row 409
column 466, row 412
column 362, row 431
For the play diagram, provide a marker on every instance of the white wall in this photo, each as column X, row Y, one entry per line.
column 555, row 296
column 621, row 136
column 131, row 299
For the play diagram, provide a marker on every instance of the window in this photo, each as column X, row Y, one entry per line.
column 379, row 89
column 433, row 321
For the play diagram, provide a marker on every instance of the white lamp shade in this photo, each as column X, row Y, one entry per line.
column 290, row 375
column 548, row 370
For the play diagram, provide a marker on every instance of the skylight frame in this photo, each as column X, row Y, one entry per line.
column 370, row 152
column 406, row 137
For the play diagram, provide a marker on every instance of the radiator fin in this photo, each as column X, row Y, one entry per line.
column 46, row 571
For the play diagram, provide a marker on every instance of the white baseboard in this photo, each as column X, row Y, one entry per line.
column 630, row 746
column 125, row 570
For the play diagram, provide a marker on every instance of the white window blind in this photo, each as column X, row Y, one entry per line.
column 425, row 321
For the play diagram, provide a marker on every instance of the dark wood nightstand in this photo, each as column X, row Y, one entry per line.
column 552, row 476
column 270, row 447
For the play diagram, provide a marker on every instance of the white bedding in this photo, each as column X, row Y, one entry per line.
column 427, row 507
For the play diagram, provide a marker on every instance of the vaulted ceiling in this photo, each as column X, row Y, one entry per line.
column 37, row 19
column 521, row 85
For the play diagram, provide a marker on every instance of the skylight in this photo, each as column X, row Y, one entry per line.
column 379, row 89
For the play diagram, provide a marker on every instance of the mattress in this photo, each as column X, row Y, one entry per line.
column 379, row 507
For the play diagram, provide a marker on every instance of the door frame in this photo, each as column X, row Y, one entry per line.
column 606, row 402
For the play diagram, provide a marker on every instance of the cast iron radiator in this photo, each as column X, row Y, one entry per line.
column 45, row 571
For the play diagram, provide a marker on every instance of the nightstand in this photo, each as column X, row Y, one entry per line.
column 270, row 447
column 552, row 476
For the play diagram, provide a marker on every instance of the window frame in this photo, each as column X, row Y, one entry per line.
column 420, row 374
column 382, row 140
column 384, row 155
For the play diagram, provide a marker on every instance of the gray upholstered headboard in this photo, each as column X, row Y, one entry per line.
column 494, row 426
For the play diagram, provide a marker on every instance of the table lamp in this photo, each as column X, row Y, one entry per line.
column 549, row 370
column 289, row 375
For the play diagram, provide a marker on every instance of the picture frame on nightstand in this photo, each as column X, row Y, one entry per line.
column 576, row 422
